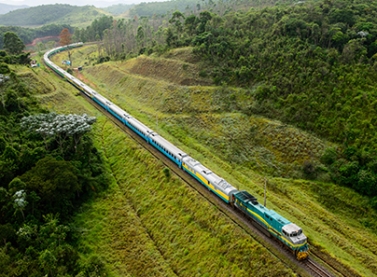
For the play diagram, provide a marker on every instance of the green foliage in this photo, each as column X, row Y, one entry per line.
column 95, row 31
column 27, row 35
column 50, row 14
column 13, row 44
column 153, row 8
column 118, row 9
column 167, row 172
column 4, row 68
column 42, row 183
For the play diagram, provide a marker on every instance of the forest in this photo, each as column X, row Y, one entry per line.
column 27, row 35
column 50, row 14
column 308, row 64
column 48, row 167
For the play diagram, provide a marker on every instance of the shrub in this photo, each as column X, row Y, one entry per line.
column 4, row 69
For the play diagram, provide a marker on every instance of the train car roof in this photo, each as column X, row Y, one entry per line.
column 120, row 111
column 209, row 175
column 140, row 126
column 167, row 145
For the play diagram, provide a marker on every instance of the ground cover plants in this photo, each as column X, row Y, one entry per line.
column 310, row 64
column 337, row 220
column 48, row 168
column 152, row 223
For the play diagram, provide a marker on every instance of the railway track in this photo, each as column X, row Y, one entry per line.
column 316, row 268
column 303, row 268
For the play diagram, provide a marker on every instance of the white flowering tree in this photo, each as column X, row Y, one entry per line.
column 59, row 126
column 20, row 202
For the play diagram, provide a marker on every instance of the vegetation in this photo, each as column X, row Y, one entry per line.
column 309, row 64
column 118, row 9
column 48, row 167
column 28, row 35
column 51, row 14
column 162, row 8
column 4, row 8
column 13, row 44
column 138, row 227
column 206, row 123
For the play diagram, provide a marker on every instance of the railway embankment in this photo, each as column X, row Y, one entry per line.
column 214, row 125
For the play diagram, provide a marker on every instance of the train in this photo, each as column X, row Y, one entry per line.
column 280, row 228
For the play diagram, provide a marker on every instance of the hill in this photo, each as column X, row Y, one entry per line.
column 209, row 123
column 118, row 9
column 49, row 14
column 5, row 8
column 310, row 64
column 27, row 35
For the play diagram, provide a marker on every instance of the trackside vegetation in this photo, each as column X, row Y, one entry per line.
column 149, row 222
column 310, row 64
column 213, row 131
column 48, row 168
column 275, row 93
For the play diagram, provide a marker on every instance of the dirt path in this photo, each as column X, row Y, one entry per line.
column 35, row 41
column 82, row 78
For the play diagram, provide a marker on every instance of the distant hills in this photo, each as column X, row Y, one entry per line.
column 82, row 16
column 52, row 14
column 5, row 8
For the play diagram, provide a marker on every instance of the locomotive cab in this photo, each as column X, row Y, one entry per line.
column 294, row 234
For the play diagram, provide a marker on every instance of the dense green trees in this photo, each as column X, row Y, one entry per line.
column 48, row 166
column 13, row 44
column 27, row 35
column 310, row 64
column 43, row 15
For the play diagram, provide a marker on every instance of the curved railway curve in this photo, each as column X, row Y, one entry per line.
column 229, row 200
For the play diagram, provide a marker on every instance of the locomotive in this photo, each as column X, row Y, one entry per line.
column 288, row 233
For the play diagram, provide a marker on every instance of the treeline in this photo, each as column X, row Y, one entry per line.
column 162, row 8
column 311, row 64
column 50, row 14
column 36, row 16
column 27, row 35
column 48, row 167
column 194, row 6
column 118, row 9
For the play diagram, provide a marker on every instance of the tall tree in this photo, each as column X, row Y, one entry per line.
column 65, row 40
column 13, row 44
column 65, row 37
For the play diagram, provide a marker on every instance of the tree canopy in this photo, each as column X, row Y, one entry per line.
column 48, row 167
column 311, row 64
column 13, row 44
column 65, row 37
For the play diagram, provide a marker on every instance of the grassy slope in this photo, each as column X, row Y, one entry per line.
column 148, row 224
column 78, row 17
column 336, row 219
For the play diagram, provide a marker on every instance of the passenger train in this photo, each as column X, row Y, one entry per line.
column 277, row 226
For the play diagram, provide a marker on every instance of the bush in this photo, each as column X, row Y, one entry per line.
column 4, row 69
column 167, row 172
column 329, row 156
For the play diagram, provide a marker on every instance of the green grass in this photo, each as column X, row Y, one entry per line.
column 245, row 149
column 151, row 224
